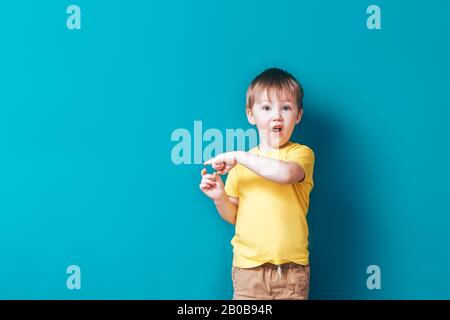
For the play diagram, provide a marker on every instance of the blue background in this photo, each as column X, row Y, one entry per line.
column 86, row 118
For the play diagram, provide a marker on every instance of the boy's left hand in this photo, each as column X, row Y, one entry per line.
column 223, row 162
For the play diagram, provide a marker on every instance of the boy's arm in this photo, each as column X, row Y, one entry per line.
column 227, row 208
column 284, row 172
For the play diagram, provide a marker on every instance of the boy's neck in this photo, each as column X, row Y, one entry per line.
column 264, row 147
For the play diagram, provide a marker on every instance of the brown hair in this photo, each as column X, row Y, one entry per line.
column 274, row 79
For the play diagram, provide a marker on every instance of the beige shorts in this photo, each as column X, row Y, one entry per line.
column 288, row 281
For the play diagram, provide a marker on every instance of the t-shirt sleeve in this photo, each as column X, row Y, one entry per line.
column 231, row 185
column 304, row 156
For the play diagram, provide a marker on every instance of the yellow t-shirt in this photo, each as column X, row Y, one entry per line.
column 271, row 221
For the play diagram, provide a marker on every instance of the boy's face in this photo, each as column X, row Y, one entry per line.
column 275, row 116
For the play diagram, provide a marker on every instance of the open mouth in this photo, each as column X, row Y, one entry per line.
column 277, row 129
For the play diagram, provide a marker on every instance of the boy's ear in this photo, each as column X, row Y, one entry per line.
column 250, row 117
column 299, row 116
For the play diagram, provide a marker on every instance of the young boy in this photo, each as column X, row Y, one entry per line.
column 266, row 194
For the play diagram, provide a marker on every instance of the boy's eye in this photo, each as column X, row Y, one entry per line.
column 266, row 108
column 286, row 108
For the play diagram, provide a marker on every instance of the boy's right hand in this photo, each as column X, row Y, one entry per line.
column 212, row 185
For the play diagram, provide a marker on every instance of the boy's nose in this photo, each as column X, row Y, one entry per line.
column 277, row 116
